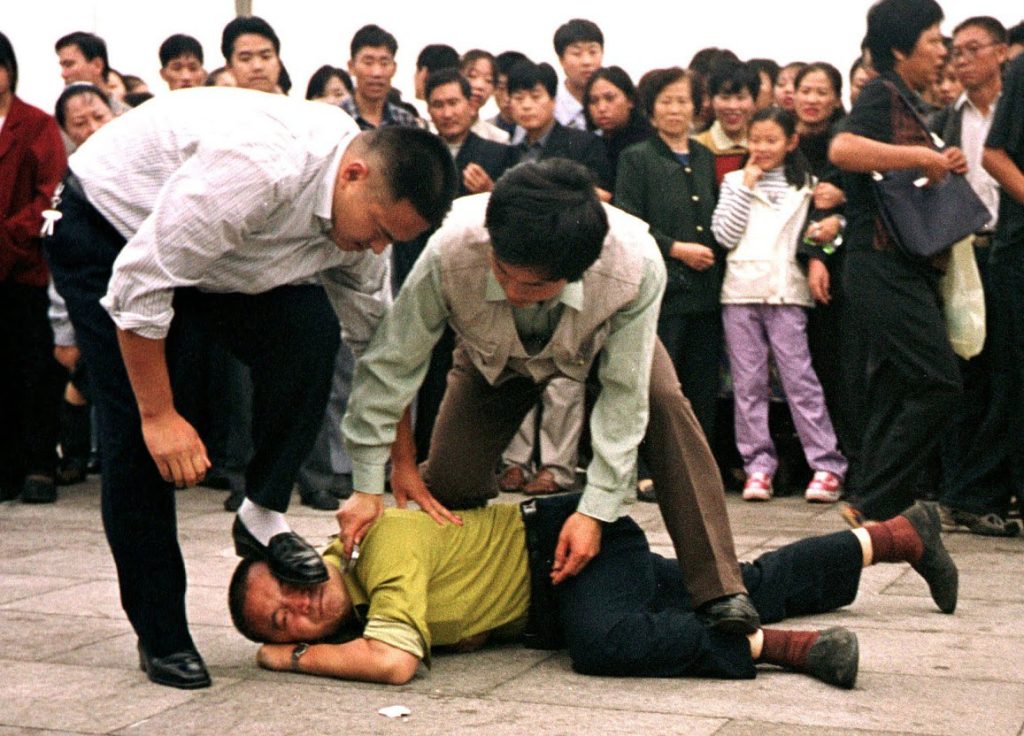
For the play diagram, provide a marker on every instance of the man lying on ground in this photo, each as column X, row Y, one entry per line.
column 418, row 585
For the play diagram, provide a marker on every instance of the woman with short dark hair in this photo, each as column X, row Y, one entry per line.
column 612, row 110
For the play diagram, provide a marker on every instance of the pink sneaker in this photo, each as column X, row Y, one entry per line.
column 823, row 488
column 758, row 487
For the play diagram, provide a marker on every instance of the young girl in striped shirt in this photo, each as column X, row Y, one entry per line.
column 760, row 217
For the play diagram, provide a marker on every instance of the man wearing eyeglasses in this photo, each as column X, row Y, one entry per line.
column 976, row 485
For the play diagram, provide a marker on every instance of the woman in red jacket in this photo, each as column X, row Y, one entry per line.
column 32, row 162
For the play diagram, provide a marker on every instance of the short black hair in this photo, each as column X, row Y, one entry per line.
column 526, row 75
column 897, row 25
column 437, row 56
column 318, row 82
column 446, row 76
column 654, row 83
column 238, row 588
column 708, row 57
column 179, row 45
column 91, row 46
column 835, row 78
column 995, row 30
column 575, row 31
column 506, row 60
column 60, row 111
column 1015, row 34
column 418, row 167
column 134, row 99
column 545, row 215
column 372, row 35
column 9, row 61
column 284, row 79
column 132, row 82
column 768, row 66
column 239, row 26
column 732, row 77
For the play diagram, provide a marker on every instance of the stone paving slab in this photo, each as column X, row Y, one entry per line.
column 68, row 663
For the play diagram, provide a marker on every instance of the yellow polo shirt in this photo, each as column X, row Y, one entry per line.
column 428, row 585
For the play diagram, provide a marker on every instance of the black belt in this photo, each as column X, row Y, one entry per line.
column 543, row 519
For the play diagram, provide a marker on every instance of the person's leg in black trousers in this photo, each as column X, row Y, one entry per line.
column 137, row 505
column 911, row 376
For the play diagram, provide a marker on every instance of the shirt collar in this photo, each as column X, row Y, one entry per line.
column 963, row 99
column 722, row 141
column 324, row 201
column 543, row 140
column 571, row 294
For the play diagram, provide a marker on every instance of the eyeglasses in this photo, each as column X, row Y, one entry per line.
column 970, row 51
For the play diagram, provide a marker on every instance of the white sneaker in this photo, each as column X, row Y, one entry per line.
column 758, row 487
column 823, row 488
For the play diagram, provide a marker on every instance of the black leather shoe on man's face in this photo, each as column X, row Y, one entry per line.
column 291, row 558
column 184, row 669
column 733, row 614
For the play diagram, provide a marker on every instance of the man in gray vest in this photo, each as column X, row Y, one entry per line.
column 539, row 279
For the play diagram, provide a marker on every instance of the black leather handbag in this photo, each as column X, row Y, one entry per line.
column 927, row 219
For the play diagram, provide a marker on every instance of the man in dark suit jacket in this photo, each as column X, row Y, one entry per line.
column 532, row 90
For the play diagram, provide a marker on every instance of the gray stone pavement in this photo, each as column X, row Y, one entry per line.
column 68, row 662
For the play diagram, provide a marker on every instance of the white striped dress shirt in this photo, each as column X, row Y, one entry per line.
column 225, row 190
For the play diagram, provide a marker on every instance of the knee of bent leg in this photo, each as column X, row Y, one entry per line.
column 604, row 650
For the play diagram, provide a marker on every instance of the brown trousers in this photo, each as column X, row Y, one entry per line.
column 476, row 421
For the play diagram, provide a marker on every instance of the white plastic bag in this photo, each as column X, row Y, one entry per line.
column 963, row 300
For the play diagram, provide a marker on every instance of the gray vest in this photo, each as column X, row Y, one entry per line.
column 486, row 330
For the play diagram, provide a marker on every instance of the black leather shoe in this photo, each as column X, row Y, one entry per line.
column 733, row 614
column 38, row 489
column 291, row 558
column 834, row 657
column 935, row 565
column 318, row 498
column 215, row 480
column 184, row 669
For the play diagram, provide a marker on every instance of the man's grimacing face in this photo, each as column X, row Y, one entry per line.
column 281, row 613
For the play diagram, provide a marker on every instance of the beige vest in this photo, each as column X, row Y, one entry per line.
column 486, row 330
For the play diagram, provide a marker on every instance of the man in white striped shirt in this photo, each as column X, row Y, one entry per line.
column 225, row 210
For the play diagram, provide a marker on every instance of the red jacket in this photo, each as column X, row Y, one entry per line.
column 32, row 163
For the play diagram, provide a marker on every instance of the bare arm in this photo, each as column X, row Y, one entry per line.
column 1002, row 168
column 366, row 660
column 860, row 154
column 173, row 443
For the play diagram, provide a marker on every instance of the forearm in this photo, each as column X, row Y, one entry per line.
column 859, row 154
column 146, row 363
column 403, row 451
column 730, row 218
column 366, row 660
column 1002, row 168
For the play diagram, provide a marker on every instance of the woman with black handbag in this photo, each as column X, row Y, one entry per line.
column 902, row 375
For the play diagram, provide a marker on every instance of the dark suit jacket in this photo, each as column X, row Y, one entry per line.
column 492, row 157
column 583, row 147
column 32, row 163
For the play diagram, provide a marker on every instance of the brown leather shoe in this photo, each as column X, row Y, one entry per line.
column 543, row 484
column 512, row 479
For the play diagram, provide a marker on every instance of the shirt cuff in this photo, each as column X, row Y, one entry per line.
column 152, row 327
column 601, row 504
column 367, row 477
column 398, row 635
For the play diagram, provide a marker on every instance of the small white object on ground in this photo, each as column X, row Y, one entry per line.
column 395, row 711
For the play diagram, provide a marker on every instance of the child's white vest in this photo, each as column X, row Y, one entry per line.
column 762, row 268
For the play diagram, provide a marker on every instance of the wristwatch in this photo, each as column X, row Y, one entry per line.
column 297, row 652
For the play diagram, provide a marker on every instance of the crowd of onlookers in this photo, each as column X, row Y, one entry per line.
column 769, row 305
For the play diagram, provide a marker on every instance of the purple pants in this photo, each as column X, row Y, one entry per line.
column 751, row 331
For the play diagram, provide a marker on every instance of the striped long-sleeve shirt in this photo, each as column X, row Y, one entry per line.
column 733, row 211
column 225, row 190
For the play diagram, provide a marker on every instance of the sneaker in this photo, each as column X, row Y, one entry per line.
column 758, row 487
column 823, row 488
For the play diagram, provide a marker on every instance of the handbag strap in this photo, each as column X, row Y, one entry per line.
column 935, row 140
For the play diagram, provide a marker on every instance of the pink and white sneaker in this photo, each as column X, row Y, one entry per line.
column 758, row 487
column 824, row 487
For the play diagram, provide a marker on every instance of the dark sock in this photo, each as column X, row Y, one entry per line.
column 895, row 540
column 787, row 648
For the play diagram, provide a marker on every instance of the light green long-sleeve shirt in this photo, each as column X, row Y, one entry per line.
column 393, row 366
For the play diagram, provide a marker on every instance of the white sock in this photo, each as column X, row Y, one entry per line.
column 262, row 523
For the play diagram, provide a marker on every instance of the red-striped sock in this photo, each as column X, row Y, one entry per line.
column 895, row 540
column 787, row 648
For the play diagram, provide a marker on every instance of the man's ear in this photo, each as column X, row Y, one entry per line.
column 355, row 170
